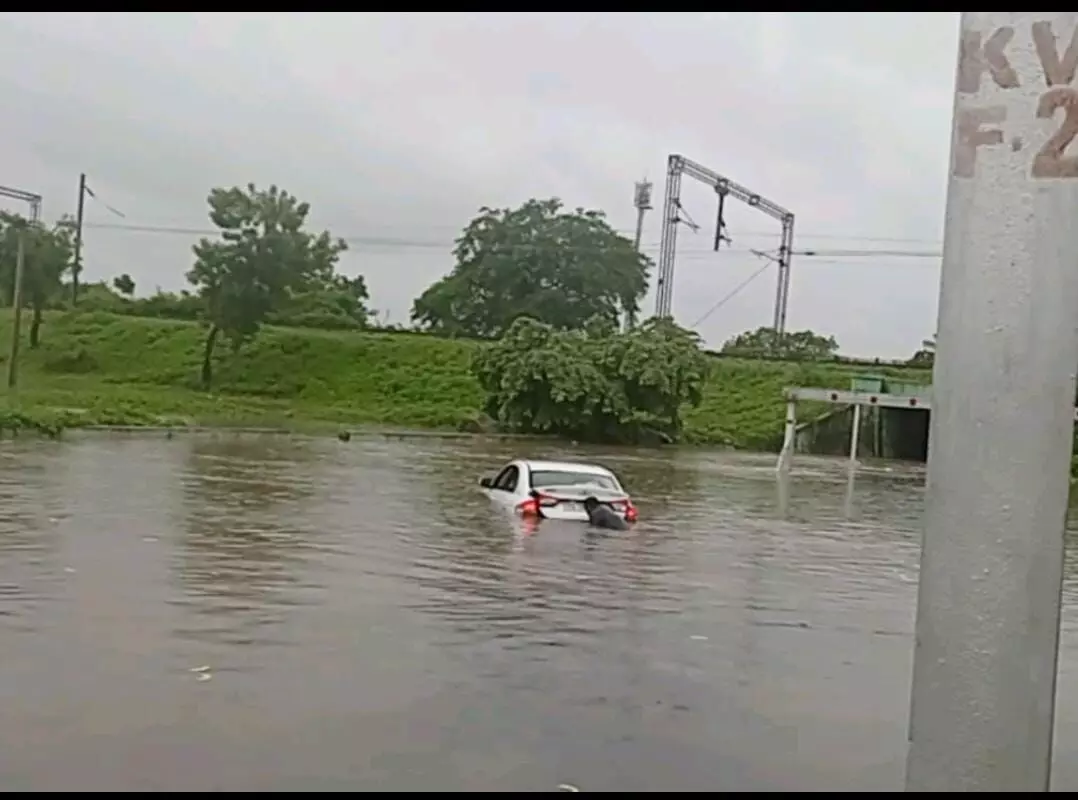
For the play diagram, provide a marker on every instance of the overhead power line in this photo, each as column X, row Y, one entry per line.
column 361, row 240
column 93, row 195
column 860, row 257
column 873, row 253
column 731, row 294
column 452, row 229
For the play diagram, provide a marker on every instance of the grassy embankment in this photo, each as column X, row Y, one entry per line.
column 99, row 369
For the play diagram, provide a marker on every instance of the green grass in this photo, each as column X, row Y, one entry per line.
column 744, row 405
column 101, row 369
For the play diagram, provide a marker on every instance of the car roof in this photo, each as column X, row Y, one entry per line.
column 565, row 466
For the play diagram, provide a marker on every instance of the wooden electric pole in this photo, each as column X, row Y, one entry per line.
column 76, row 267
column 20, row 267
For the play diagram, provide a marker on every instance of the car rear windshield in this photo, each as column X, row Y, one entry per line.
column 544, row 477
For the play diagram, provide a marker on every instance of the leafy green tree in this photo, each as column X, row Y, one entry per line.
column 93, row 296
column 166, row 305
column 557, row 266
column 124, row 285
column 339, row 304
column 264, row 255
column 792, row 345
column 592, row 384
column 101, row 296
column 47, row 254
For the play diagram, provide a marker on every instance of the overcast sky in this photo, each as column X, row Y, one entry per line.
column 397, row 127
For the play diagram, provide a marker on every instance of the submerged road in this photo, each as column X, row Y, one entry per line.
column 224, row 613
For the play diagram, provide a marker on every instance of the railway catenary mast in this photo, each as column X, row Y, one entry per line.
column 677, row 166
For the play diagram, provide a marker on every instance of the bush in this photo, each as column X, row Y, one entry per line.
column 596, row 384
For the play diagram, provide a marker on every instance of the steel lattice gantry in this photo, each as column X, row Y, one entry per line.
column 677, row 166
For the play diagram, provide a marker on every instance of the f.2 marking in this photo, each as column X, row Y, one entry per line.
column 1050, row 161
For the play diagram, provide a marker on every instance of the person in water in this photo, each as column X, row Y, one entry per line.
column 603, row 516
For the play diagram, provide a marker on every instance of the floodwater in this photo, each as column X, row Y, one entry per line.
column 226, row 613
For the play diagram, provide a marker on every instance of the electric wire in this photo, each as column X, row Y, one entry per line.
column 376, row 243
column 731, row 294
column 451, row 228
column 111, row 209
column 362, row 240
column 871, row 253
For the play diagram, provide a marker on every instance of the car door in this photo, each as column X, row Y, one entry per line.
column 503, row 490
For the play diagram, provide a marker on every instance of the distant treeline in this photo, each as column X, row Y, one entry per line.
column 189, row 307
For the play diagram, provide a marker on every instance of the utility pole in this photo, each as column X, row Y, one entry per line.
column 16, row 313
column 988, row 607
column 642, row 202
column 76, row 268
column 20, row 267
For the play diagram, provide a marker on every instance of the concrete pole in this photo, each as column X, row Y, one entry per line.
column 988, row 604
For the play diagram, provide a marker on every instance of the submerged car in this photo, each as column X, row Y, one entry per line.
column 557, row 489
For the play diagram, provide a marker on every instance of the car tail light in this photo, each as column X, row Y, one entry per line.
column 625, row 507
column 531, row 507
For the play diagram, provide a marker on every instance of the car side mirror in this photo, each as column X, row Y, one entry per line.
column 486, row 482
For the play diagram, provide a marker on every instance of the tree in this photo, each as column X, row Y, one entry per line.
column 792, row 345
column 124, row 285
column 559, row 267
column 340, row 303
column 47, row 255
column 261, row 259
column 592, row 384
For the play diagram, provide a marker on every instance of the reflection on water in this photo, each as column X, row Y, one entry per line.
column 281, row 614
column 28, row 574
column 242, row 546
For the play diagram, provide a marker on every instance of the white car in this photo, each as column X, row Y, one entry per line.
column 556, row 489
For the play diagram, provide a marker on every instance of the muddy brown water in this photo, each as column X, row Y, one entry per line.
column 226, row 613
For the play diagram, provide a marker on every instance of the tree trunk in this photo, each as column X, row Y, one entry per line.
column 207, row 357
column 35, row 327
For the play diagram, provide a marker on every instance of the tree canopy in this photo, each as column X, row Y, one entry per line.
column 792, row 345
column 592, row 384
column 337, row 304
column 124, row 284
column 540, row 260
column 47, row 256
column 263, row 259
